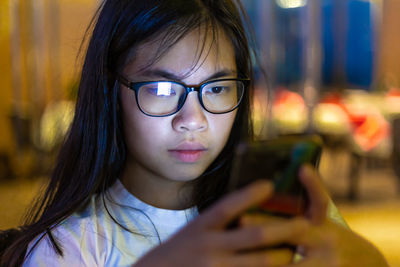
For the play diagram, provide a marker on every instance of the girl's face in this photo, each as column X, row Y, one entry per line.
column 177, row 148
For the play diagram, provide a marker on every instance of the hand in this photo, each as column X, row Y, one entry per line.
column 326, row 243
column 206, row 242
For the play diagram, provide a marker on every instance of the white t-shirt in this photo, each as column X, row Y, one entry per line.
column 92, row 238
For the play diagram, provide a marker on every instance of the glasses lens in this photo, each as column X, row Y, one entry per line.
column 222, row 96
column 160, row 98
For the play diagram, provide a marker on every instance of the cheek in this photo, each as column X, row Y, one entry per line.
column 142, row 133
column 132, row 119
column 222, row 126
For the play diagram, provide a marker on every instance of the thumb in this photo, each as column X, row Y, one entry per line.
column 317, row 195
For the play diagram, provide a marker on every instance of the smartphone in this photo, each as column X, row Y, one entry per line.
column 277, row 160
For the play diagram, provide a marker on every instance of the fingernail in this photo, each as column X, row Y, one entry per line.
column 266, row 185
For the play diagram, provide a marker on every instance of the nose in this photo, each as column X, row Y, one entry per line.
column 191, row 117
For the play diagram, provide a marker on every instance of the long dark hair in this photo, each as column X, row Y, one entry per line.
column 93, row 154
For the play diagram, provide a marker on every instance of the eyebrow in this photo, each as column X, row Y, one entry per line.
column 172, row 76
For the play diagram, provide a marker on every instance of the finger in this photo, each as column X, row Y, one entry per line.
column 320, row 237
column 271, row 258
column 318, row 197
column 231, row 206
column 254, row 237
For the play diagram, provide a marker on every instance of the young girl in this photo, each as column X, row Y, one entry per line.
column 140, row 180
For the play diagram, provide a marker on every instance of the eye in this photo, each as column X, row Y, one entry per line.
column 216, row 90
column 160, row 89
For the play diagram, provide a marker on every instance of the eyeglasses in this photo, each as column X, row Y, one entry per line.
column 164, row 98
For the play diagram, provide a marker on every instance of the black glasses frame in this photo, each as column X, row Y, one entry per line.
column 189, row 88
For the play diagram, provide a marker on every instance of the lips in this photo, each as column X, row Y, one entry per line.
column 188, row 152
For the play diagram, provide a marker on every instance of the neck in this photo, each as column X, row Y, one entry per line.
column 154, row 189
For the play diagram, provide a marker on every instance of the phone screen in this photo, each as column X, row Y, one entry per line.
column 278, row 160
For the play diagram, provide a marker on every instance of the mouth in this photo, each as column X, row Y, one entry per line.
column 188, row 153
column 189, row 156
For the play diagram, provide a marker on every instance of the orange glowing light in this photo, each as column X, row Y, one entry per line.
column 371, row 132
column 289, row 111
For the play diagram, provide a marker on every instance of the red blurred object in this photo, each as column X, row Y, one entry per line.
column 371, row 131
column 285, row 99
column 368, row 128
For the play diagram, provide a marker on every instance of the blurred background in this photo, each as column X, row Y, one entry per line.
column 333, row 69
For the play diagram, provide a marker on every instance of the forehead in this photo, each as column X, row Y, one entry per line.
column 196, row 54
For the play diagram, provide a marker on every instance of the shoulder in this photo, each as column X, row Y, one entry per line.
column 114, row 229
column 87, row 238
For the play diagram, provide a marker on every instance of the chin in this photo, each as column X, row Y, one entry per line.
column 186, row 176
